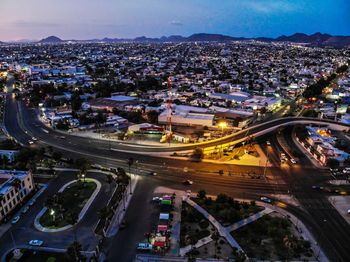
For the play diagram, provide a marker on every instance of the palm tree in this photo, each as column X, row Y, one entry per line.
column 73, row 252
column 72, row 219
column 110, row 180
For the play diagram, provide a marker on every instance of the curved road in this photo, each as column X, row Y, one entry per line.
column 330, row 229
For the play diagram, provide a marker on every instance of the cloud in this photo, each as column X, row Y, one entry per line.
column 271, row 6
column 31, row 24
column 176, row 23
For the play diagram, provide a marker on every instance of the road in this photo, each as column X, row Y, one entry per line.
column 329, row 228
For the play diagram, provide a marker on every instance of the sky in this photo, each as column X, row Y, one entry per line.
column 89, row 19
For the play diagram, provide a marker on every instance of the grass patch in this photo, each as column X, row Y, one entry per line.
column 272, row 238
column 227, row 210
column 67, row 204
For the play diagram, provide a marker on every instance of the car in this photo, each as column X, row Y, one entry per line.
column 266, row 200
column 144, row 246
column 62, row 137
column 30, row 142
column 34, row 138
column 36, row 242
column 31, row 202
column 317, row 187
column 15, row 219
column 157, row 199
column 292, row 160
column 188, row 182
column 25, row 209
column 349, row 211
column 268, row 143
column 346, row 170
column 153, row 174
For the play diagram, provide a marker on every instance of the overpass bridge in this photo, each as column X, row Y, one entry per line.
column 243, row 135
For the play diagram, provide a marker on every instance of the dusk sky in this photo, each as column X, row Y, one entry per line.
column 87, row 19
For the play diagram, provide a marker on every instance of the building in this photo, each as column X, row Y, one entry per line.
column 187, row 119
column 14, row 187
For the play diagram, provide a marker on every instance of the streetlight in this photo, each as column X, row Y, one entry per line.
column 222, row 125
column 52, row 213
column 83, row 176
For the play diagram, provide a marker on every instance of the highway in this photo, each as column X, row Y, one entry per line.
column 330, row 229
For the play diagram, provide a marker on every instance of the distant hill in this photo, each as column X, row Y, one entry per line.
column 316, row 39
column 51, row 39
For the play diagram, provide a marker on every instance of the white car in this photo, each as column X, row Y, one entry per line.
column 25, row 209
column 157, row 199
column 268, row 143
column 30, row 142
column 15, row 220
column 266, row 200
column 292, row 160
column 36, row 242
column 34, row 138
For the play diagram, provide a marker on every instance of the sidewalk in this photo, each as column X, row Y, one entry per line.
column 176, row 228
column 119, row 214
column 249, row 220
column 222, row 230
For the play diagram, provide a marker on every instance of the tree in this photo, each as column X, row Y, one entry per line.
column 110, row 180
column 82, row 164
column 73, row 252
column 76, row 101
column 198, row 154
column 57, row 156
column 332, row 163
column 201, row 194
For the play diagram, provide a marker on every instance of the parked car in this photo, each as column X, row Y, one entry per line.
column 34, row 138
column 36, row 242
column 31, row 202
column 293, row 161
column 144, row 246
column 15, row 219
column 346, row 170
column 266, row 200
column 317, row 187
column 268, row 143
column 153, row 174
column 25, row 209
column 157, row 199
column 30, row 142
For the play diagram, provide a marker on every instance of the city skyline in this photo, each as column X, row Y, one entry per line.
column 267, row 18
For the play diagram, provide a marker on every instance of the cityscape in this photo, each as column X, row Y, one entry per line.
column 182, row 131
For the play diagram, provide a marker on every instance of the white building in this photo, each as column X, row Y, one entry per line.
column 187, row 119
column 14, row 187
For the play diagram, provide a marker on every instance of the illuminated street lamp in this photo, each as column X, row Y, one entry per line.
column 52, row 213
column 222, row 125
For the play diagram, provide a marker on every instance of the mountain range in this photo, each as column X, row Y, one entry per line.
column 317, row 39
